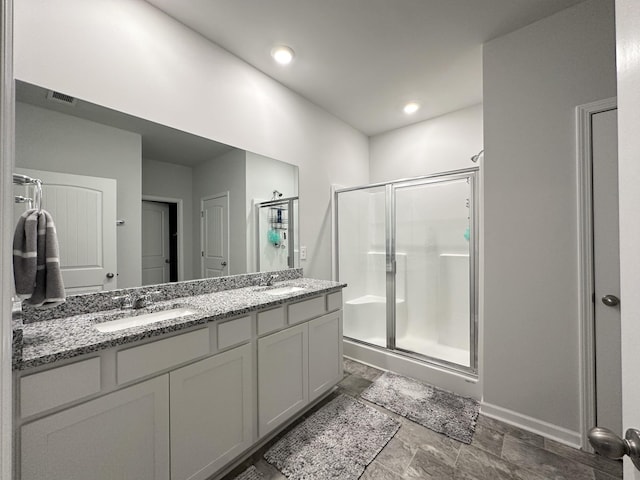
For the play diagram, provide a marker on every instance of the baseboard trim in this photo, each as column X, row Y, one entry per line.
column 548, row 430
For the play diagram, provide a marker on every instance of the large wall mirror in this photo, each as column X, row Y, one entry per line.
column 139, row 203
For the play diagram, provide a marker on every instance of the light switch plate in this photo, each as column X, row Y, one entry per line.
column 303, row 252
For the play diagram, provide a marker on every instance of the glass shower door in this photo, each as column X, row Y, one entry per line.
column 361, row 247
column 434, row 238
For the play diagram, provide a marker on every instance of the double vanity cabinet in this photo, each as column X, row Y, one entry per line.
column 183, row 405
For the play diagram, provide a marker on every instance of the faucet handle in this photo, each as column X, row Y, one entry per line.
column 124, row 301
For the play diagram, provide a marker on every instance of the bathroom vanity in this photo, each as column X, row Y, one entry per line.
column 178, row 398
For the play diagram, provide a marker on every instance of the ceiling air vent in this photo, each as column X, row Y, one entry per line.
column 61, row 98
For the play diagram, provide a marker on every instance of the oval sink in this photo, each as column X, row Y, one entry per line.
column 283, row 290
column 145, row 319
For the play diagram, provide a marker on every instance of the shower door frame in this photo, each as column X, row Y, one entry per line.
column 390, row 261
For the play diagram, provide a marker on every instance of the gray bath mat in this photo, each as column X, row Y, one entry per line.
column 439, row 410
column 336, row 442
column 250, row 473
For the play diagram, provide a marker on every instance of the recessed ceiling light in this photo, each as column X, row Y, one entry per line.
column 410, row 108
column 282, row 54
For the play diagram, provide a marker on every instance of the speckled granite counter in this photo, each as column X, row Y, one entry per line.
column 52, row 340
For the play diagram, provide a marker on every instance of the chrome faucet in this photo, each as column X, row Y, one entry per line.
column 136, row 301
column 271, row 279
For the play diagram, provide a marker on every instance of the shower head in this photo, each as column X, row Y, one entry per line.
column 476, row 157
column 276, row 195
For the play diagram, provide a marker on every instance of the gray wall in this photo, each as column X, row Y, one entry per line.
column 164, row 179
column 52, row 141
column 533, row 80
column 221, row 174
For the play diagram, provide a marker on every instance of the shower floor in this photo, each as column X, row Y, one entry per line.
column 428, row 348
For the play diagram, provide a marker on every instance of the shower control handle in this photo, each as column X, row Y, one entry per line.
column 610, row 300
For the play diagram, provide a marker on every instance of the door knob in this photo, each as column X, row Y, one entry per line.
column 610, row 445
column 224, row 264
column 610, row 300
column 166, row 260
column 110, row 275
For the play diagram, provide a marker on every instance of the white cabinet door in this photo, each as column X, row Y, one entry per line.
column 123, row 435
column 211, row 413
column 325, row 353
column 283, row 383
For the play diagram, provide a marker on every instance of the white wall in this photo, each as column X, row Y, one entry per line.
column 129, row 56
column 48, row 140
column 436, row 145
column 226, row 172
column 162, row 179
column 533, row 80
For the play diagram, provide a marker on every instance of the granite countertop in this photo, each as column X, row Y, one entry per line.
column 49, row 341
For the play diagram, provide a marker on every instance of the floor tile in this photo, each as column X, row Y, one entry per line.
column 488, row 440
column 269, row 471
column 440, row 446
column 543, row 462
column 427, row 465
column 598, row 462
column 396, row 455
column 604, row 476
column 362, row 370
column 505, row 428
column 354, row 385
column 377, row 471
column 476, row 463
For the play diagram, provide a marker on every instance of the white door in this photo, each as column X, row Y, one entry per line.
column 84, row 213
column 604, row 140
column 212, row 404
column 628, row 64
column 122, row 435
column 156, row 253
column 214, row 214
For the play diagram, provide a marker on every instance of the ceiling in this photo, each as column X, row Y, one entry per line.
column 363, row 60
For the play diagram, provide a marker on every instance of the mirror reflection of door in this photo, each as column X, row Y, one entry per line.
column 84, row 213
column 158, row 237
column 215, row 235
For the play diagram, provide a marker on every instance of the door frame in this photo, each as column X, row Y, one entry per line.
column 7, row 157
column 180, row 221
column 586, row 286
column 202, row 200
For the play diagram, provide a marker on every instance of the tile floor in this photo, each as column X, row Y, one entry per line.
column 498, row 451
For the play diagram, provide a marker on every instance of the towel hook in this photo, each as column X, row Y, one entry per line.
column 38, row 195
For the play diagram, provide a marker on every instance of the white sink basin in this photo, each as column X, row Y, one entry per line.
column 146, row 319
column 283, row 290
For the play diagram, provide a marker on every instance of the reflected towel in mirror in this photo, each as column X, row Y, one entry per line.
column 36, row 261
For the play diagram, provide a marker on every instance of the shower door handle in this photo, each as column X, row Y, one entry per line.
column 391, row 266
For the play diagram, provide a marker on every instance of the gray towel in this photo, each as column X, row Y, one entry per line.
column 36, row 262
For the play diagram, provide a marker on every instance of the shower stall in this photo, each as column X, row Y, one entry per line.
column 408, row 252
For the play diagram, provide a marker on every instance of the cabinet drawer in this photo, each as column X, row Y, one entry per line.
column 51, row 388
column 138, row 362
column 334, row 301
column 271, row 320
column 301, row 311
column 234, row 332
